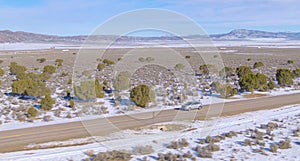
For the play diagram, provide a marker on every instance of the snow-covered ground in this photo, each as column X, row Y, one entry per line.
column 262, row 42
column 112, row 111
column 287, row 118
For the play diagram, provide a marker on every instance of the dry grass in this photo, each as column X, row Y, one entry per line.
column 254, row 95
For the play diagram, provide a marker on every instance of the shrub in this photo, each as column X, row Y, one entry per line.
column 69, row 115
column 169, row 157
column 209, row 139
column 243, row 70
column 1, row 61
column 258, row 65
column 99, row 89
column 122, row 81
column 63, row 74
column 89, row 90
column 47, row 118
column 290, row 61
column 179, row 66
column 271, row 84
column 143, row 150
column 213, row 147
column 141, row 59
column 58, row 62
column 100, row 66
column 47, row 103
column 149, row 59
column 21, row 117
column 140, row 95
column 230, row 134
column 203, row 152
column 207, row 69
column 297, row 72
column 32, row 112
column 70, row 81
column 41, row 60
column 285, row 144
column 272, row 125
column 273, row 148
column 248, row 82
column 30, row 88
column 1, row 72
column 90, row 153
column 247, row 142
column 49, row 69
column 16, row 69
column 72, row 103
column 284, row 77
column 108, row 62
column 227, row 91
column 112, row 156
column 262, row 83
column 178, row 144
column 188, row 154
column 173, row 145
column 226, row 72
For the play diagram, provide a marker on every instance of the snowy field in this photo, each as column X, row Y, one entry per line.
column 260, row 43
column 245, row 126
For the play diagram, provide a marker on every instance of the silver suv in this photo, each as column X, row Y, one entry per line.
column 191, row 106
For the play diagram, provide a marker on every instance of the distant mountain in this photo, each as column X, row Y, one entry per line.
column 7, row 36
column 254, row 34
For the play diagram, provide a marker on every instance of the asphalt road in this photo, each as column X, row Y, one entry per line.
column 16, row 140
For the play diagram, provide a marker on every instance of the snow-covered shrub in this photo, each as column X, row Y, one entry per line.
column 247, row 142
column 203, row 152
column 112, row 156
column 178, row 144
column 143, row 150
column 285, row 144
column 273, row 148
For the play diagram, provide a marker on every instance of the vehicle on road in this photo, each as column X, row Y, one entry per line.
column 197, row 105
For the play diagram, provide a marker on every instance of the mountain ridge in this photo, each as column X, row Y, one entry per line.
column 7, row 36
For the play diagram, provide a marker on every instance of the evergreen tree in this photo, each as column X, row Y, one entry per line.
column 258, row 65
column 89, row 90
column 49, row 69
column 122, row 81
column 243, row 70
column 271, row 84
column 16, row 69
column 32, row 112
column 262, row 83
column 47, row 103
column 226, row 72
column 141, row 95
column 248, row 82
column 284, row 77
column 100, row 66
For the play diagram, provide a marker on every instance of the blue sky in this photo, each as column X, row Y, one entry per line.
column 75, row 17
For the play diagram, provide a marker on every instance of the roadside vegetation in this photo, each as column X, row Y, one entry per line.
column 46, row 85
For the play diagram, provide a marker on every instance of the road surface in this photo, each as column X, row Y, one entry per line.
column 16, row 140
